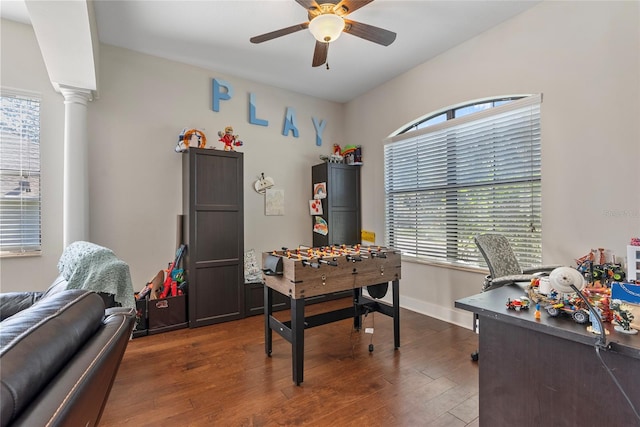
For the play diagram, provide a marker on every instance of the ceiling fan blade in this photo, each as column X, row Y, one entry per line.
column 369, row 32
column 350, row 6
column 278, row 33
column 320, row 53
column 308, row 4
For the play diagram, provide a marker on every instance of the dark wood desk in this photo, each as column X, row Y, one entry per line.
column 547, row 372
column 300, row 281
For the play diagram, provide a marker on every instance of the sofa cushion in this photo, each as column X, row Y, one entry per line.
column 13, row 302
column 33, row 350
column 58, row 285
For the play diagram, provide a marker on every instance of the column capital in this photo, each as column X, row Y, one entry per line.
column 75, row 95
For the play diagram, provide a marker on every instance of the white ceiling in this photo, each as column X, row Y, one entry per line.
column 215, row 35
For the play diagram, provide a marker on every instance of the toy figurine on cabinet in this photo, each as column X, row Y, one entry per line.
column 190, row 137
column 229, row 139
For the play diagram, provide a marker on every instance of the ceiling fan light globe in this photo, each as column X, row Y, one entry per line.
column 326, row 28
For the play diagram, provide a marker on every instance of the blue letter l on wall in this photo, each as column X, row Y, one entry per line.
column 252, row 112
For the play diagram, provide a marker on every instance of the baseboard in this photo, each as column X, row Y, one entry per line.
column 451, row 315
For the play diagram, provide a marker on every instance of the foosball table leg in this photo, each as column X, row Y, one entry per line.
column 357, row 318
column 268, row 311
column 396, row 313
column 297, row 336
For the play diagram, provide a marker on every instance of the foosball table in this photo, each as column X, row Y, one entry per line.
column 307, row 272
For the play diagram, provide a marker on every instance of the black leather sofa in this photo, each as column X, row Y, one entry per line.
column 59, row 354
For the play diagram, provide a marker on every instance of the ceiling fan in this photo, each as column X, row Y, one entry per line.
column 326, row 22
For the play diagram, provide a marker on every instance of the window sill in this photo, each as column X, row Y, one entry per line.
column 451, row 266
column 20, row 254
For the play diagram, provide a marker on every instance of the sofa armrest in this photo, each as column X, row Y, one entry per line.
column 78, row 395
column 119, row 310
column 14, row 302
column 38, row 342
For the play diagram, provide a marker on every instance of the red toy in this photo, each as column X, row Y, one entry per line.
column 229, row 139
column 518, row 304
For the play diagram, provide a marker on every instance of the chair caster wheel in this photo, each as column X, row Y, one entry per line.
column 370, row 348
column 474, row 356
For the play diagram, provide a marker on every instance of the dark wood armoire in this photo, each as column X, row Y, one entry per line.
column 341, row 207
column 214, row 234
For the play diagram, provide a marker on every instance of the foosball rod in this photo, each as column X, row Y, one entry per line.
column 320, row 260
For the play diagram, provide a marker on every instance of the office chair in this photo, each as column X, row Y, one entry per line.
column 504, row 268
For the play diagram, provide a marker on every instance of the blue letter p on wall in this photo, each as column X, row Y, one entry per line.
column 218, row 93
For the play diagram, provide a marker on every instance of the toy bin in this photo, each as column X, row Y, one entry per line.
column 141, row 327
column 167, row 314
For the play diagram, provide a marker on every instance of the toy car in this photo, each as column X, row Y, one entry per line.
column 518, row 304
column 603, row 273
column 578, row 314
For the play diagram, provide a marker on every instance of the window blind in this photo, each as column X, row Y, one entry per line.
column 20, row 215
column 474, row 174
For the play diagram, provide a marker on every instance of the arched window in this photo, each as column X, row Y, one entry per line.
column 450, row 113
column 464, row 171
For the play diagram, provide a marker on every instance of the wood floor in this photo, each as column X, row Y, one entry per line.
column 220, row 376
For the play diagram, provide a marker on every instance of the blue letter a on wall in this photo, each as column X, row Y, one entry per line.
column 290, row 123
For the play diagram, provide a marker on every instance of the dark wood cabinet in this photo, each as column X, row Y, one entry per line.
column 340, row 210
column 214, row 234
column 341, row 207
column 254, row 300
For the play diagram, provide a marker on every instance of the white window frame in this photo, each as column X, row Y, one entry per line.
column 475, row 174
column 20, row 196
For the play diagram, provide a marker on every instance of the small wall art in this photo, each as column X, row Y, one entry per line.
column 320, row 190
column 320, row 226
column 274, row 202
column 315, row 207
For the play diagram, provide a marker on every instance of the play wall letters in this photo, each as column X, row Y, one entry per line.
column 221, row 90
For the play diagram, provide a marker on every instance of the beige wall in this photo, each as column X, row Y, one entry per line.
column 22, row 67
column 584, row 58
column 135, row 175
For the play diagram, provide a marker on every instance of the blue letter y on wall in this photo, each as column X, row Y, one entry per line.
column 319, row 129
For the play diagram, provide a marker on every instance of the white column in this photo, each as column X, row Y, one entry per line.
column 76, row 169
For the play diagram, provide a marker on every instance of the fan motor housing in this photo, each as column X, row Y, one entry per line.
column 327, row 8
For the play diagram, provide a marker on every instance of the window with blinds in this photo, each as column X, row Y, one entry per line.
column 20, row 217
column 458, row 178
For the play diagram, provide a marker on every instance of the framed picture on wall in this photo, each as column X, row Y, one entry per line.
column 320, row 190
column 274, row 202
column 315, row 207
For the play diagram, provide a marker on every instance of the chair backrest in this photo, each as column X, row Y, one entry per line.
column 498, row 254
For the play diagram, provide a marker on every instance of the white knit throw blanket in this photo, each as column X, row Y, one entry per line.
column 88, row 266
